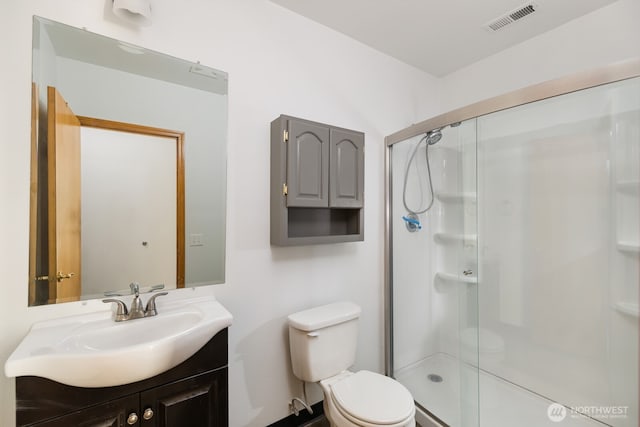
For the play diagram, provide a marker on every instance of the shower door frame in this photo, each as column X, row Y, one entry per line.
column 579, row 81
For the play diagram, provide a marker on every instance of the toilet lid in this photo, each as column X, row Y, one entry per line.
column 373, row 398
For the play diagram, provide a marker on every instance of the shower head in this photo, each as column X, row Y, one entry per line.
column 433, row 136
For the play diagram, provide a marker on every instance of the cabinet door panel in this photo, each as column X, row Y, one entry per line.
column 111, row 414
column 346, row 184
column 307, row 165
column 199, row 401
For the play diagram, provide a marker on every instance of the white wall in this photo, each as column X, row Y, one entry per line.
column 128, row 195
column 602, row 37
column 278, row 63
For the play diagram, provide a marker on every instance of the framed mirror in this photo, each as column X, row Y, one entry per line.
column 128, row 168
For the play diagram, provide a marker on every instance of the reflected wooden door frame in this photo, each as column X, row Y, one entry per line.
column 33, row 194
column 180, row 190
column 64, row 274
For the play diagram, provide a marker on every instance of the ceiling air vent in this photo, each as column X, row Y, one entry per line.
column 511, row 17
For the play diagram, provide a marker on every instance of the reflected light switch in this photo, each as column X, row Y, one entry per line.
column 196, row 239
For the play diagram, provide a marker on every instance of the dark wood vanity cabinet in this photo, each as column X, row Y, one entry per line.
column 193, row 394
column 196, row 401
column 110, row 414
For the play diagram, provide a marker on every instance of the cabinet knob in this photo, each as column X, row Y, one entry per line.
column 148, row 414
column 132, row 418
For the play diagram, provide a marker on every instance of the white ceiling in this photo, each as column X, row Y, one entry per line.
column 438, row 36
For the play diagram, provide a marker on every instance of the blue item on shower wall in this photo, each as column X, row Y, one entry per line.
column 412, row 222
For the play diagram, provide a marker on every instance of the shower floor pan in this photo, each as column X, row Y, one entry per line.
column 503, row 404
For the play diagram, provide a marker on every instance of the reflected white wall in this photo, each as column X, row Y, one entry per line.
column 205, row 153
column 129, row 210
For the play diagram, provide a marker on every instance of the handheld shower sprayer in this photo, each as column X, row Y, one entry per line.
column 432, row 137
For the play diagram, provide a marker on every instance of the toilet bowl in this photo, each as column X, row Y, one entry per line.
column 367, row 399
column 322, row 342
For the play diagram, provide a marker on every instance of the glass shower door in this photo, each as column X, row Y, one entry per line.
column 521, row 279
column 434, row 273
column 559, row 181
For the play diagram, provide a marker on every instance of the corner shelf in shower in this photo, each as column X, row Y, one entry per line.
column 456, row 197
column 632, row 247
column 466, row 239
column 448, row 277
column 627, row 307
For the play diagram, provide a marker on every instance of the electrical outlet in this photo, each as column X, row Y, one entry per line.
column 196, row 239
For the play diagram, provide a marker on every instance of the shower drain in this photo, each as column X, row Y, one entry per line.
column 435, row 378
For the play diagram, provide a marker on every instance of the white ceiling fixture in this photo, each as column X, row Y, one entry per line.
column 438, row 36
column 137, row 12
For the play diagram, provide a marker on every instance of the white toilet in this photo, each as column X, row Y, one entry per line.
column 323, row 342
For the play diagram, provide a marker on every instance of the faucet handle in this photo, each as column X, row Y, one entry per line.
column 121, row 312
column 135, row 288
column 151, row 305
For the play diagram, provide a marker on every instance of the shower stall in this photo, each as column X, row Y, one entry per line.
column 513, row 257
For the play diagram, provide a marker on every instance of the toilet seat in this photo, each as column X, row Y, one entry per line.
column 368, row 399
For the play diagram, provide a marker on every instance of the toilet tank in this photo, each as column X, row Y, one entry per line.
column 323, row 340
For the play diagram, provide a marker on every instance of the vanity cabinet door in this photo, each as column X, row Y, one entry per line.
column 115, row 413
column 198, row 401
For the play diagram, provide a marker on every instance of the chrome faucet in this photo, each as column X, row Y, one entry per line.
column 137, row 309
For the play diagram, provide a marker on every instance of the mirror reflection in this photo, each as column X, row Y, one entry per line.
column 128, row 168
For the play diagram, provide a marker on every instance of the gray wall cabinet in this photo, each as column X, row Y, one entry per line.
column 317, row 183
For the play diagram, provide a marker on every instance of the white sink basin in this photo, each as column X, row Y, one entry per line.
column 94, row 351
